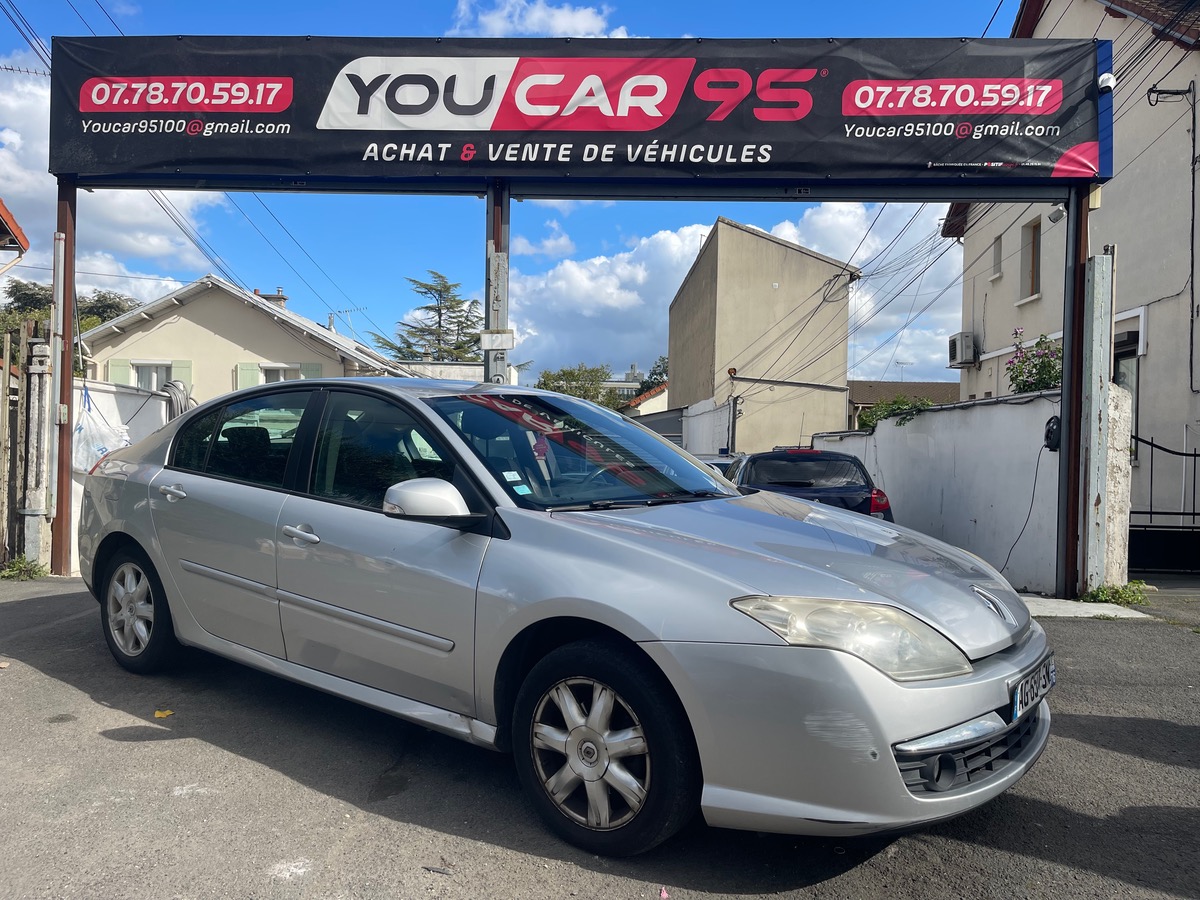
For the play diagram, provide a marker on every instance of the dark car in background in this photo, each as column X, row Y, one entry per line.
column 719, row 461
column 834, row 479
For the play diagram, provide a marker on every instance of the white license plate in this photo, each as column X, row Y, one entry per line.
column 1033, row 687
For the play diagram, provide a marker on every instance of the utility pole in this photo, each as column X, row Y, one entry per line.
column 497, row 338
column 62, row 534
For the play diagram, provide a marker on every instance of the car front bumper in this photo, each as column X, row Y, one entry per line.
column 803, row 740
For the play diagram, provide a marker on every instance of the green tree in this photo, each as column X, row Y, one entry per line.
column 27, row 297
column 657, row 376
column 903, row 409
column 582, row 380
column 30, row 300
column 105, row 305
column 446, row 329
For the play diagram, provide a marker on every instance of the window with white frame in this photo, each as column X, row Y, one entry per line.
column 997, row 256
column 151, row 374
column 275, row 373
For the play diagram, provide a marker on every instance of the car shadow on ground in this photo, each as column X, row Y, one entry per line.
column 1152, row 740
column 379, row 763
column 403, row 772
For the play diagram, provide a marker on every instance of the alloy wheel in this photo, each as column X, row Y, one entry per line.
column 590, row 753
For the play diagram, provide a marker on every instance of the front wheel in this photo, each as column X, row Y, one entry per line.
column 604, row 749
column 135, row 616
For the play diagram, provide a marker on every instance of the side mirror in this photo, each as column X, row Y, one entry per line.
column 430, row 500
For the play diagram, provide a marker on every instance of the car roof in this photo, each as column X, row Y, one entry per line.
column 802, row 453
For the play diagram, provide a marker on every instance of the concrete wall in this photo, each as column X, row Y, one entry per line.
column 1146, row 212
column 965, row 475
column 706, row 427
column 692, row 328
column 746, row 299
column 213, row 332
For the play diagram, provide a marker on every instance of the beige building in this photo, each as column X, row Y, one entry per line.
column 216, row 337
column 1014, row 254
column 759, row 326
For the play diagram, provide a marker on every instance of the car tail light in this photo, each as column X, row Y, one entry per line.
column 879, row 502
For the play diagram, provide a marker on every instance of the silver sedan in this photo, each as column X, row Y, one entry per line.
column 537, row 575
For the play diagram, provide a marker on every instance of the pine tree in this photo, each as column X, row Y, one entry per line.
column 446, row 329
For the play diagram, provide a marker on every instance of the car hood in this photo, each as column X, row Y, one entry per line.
column 781, row 546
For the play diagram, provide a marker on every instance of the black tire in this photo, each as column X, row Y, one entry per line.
column 648, row 788
column 134, row 615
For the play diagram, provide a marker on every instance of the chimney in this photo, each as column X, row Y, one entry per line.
column 278, row 298
column 331, row 328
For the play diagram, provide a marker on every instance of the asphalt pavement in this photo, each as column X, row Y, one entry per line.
column 220, row 781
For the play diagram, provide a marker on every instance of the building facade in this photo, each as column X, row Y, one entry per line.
column 215, row 337
column 759, row 325
column 1015, row 254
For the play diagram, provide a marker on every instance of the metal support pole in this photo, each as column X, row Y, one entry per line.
column 62, row 533
column 1070, row 460
column 497, row 338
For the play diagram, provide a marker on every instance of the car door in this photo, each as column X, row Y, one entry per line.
column 215, row 509
column 381, row 601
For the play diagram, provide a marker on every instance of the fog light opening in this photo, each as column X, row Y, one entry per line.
column 940, row 771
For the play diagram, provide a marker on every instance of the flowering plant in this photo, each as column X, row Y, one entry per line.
column 1036, row 368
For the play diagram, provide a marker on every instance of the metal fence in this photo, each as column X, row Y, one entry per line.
column 1166, row 537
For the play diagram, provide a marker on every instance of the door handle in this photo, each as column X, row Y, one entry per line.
column 299, row 534
column 172, row 492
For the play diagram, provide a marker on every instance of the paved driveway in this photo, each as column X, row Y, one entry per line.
column 256, row 787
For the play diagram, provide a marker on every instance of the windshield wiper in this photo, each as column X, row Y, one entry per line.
column 682, row 496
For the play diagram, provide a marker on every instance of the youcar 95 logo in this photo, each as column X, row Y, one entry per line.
column 378, row 93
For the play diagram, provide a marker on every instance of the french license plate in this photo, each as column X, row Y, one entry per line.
column 1033, row 687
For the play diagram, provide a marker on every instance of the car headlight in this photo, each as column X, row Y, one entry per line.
column 903, row 647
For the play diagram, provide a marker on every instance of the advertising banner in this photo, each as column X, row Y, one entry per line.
column 453, row 114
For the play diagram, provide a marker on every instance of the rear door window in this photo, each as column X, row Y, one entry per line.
column 249, row 441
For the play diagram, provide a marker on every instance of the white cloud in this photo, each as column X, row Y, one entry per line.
column 514, row 18
column 566, row 207
column 113, row 226
column 884, row 301
column 555, row 245
column 604, row 310
column 614, row 309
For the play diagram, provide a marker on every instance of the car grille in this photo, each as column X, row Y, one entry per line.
column 973, row 764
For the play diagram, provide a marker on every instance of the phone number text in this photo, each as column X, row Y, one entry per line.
column 185, row 94
column 937, row 96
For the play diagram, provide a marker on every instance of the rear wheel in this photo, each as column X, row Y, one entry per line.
column 604, row 749
column 134, row 614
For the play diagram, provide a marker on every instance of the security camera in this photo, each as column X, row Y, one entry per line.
column 1107, row 81
column 1057, row 213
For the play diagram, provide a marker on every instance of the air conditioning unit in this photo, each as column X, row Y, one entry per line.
column 962, row 350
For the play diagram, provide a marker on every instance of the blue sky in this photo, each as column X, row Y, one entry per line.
column 591, row 282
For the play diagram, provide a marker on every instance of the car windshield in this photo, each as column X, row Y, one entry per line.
column 552, row 452
column 807, row 472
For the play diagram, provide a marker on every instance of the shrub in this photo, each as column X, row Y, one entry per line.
column 1036, row 368
column 1132, row 594
column 21, row 569
column 903, row 408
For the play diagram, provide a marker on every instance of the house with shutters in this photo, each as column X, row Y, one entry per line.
column 216, row 337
